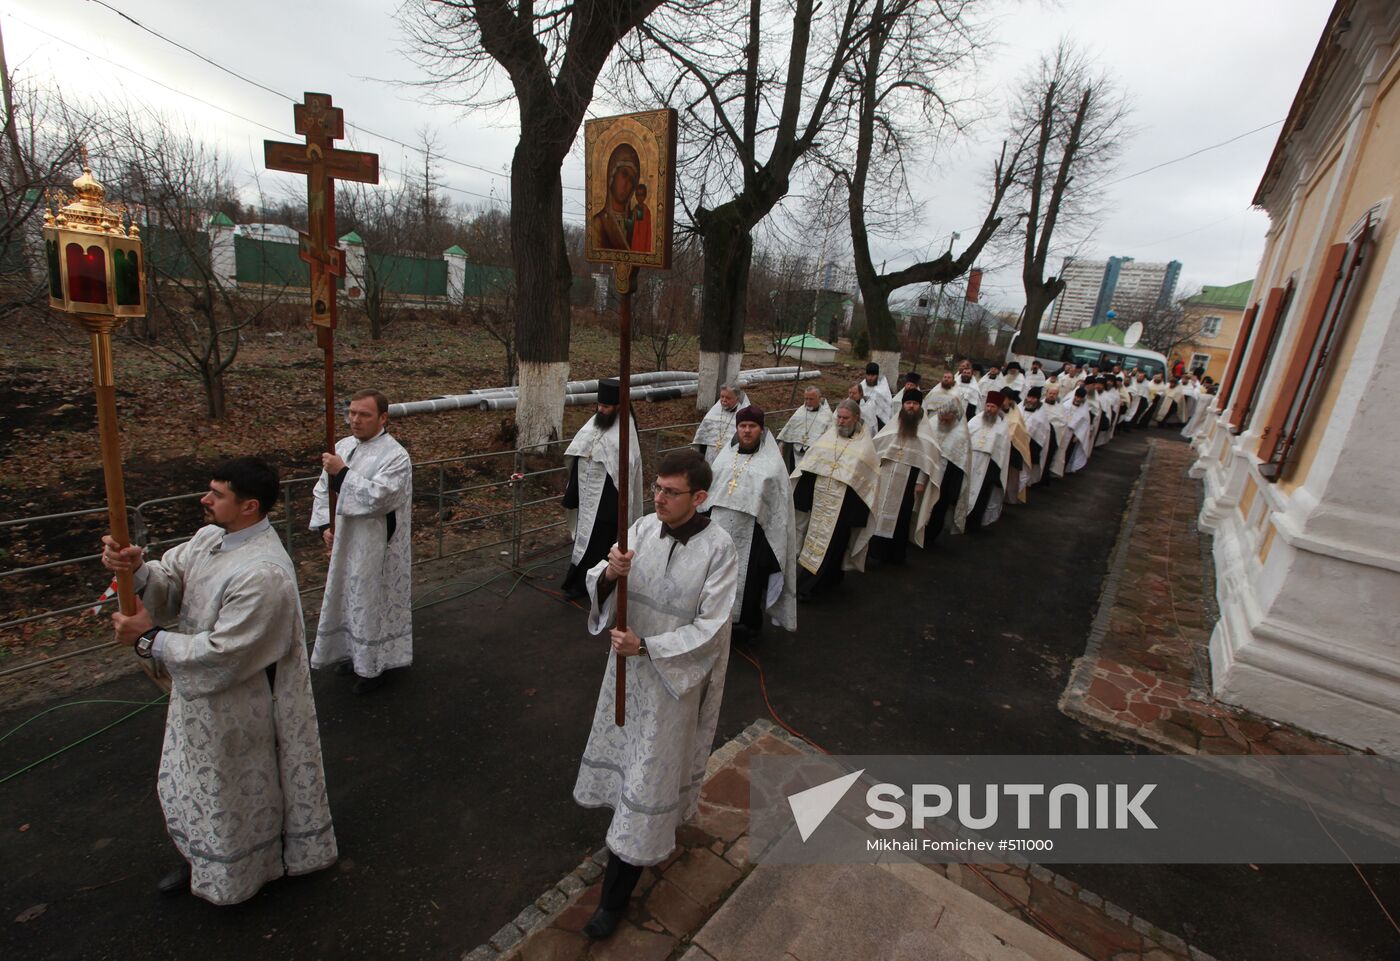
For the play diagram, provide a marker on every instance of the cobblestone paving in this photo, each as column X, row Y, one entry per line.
column 1145, row 676
column 676, row 898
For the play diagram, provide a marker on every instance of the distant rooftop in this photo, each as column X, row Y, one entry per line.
column 1104, row 333
column 1235, row 296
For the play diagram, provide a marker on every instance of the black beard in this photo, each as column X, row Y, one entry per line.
column 909, row 423
column 604, row 421
column 749, row 448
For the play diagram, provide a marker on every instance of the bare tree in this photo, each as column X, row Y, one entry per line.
column 387, row 220
column 907, row 49
column 755, row 101
column 1166, row 326
column 177, row 182
column 552, row 54
column 1072, row 120
column 40, row 151
column 665, row 313
column 489, row 298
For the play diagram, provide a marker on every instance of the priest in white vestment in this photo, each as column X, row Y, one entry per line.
column 911, row 467
column 1170, row 410
column 1057, row 413
column 590, row 494
column 1035, row 377
column 955, row 446
column 1205, row 397
column 751, row 499
column 1107, row 399
column 682, row 573
column 1014, row 378
column 935, row 395
column 990, row 440
column 869, row 408
column 876, row 391
column 241, row 781
column 989, row 382
column 1140, row 401
column 1017, row 472
column 366, row 624
column 1079, row 420
column 970, row 392
column 718, row 426
column 834, row 493
column 806, row 424
column 1037, row 420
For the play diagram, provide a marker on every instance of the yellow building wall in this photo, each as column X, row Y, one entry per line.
column 1374, row 177
column 1218, row 347
column 1314, row 200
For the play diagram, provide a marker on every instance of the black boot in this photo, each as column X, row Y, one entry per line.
column 176, row 882
column 366, row 684
column 619, row 881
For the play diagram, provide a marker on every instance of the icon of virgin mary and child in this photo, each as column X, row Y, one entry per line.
column 624, row 223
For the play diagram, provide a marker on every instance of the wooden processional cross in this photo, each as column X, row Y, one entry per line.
column 323, row 164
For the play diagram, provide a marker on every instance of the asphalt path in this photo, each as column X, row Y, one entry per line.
column 451, row 788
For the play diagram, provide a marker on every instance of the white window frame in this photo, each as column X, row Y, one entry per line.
column 1201, row 361
column 1210, row 326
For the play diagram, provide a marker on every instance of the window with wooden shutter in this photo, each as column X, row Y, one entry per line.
column 1308, row 368
column 1261, row 351
column 1232, row 369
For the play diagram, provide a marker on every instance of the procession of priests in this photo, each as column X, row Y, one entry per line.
column 745, row 525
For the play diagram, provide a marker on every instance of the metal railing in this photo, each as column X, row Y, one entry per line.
column 435, row 485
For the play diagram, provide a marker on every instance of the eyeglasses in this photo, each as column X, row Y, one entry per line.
column 666, row 492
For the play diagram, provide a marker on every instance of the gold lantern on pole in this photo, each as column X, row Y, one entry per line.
column 96, row 276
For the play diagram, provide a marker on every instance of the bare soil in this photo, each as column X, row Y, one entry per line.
column 273, row 395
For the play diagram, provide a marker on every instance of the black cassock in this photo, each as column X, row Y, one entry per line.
column 1047, row 458
column 853, row 514
column 600, row 539
column 894, row 548
column 948, row 491
column 990, row 482
column 762, row 565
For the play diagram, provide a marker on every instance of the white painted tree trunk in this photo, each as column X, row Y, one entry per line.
column 716, row 369
column 889, row 364
column 539, row 419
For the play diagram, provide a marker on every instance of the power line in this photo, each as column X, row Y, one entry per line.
column 288, row 97
column 1194, row 153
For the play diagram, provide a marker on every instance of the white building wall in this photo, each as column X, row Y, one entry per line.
column 1308, row 581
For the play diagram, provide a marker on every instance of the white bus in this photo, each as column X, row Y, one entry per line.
column 1054, row 351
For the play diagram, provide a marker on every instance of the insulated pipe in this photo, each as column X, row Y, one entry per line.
column 653, row 386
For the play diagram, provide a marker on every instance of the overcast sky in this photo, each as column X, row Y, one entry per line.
column 1197, row 72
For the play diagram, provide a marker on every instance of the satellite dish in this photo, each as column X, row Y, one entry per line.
column 1133, row 334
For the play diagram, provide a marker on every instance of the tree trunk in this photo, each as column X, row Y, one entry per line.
column 542, row 279
column 728, row 251
column 1037, row 302
column 879, row 322
column 214, row 393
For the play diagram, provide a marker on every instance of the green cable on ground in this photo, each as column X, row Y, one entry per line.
column 29, row 767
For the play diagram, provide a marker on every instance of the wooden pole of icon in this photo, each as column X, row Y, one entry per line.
column 625, row 276
column 99, row 329
column 623, row 156
column 323, row 164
